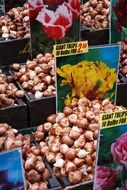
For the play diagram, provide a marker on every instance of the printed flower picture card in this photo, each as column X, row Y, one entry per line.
column 53, row 22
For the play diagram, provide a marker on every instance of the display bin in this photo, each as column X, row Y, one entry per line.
column 9, row 4
column 53, row 183
column 66, row 185
column 14, row 51
column 98, row 37
column 39, row 109
column 25, row 131
column 81, row 186
column 63, row 181
column 122, row 94
column 15, row 116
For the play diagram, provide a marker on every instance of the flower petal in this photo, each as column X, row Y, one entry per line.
column 56, row 32
column 74, row 6
column 34, row 8
column 55, row 24
column 65, row 16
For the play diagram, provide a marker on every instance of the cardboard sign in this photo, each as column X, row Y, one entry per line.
column 118, row 20
column 70, row 48
column 92, row 75
column 113, row 119
column 11, row 170
column 61, row 27
column 111, row 170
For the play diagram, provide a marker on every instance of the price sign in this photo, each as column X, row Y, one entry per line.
column 82, row 47
column 60, row 50
column 113, row 119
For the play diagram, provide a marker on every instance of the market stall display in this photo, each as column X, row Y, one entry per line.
column 57, row 93
column 14, row 32
column 95, row 21
column 37, row 174
column 11, row 102
column 95, row 14
column 67, row 140
column 15, row 24
column 8, row 91
column 37, row 76
column 37, row 79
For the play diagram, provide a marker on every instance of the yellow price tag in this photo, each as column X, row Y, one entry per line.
column 113, row 119
column 73, row 48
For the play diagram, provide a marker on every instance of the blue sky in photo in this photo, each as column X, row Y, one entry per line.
column 110, row 55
